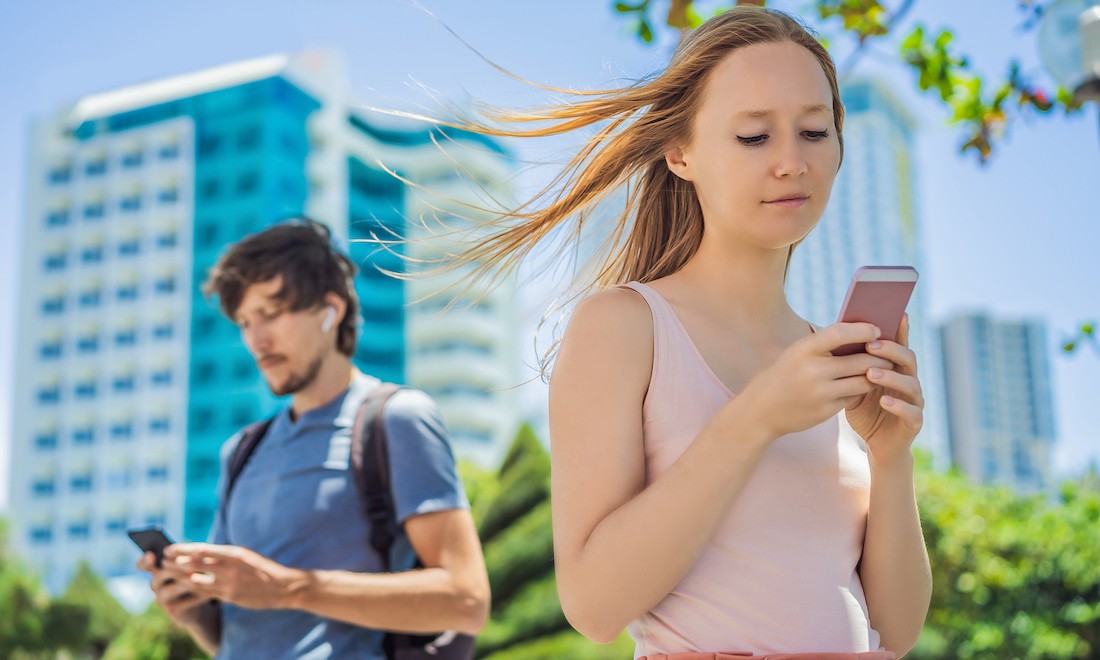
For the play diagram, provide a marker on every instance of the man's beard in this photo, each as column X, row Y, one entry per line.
column 296, row 382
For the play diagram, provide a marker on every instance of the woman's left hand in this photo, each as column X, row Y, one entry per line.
column 889, row 417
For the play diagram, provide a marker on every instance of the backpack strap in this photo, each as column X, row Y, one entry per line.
column 370, row 466
column 250, row 439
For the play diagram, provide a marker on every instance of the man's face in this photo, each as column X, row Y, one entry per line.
column 288, row 347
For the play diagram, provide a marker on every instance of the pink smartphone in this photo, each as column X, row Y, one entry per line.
column 878, row 294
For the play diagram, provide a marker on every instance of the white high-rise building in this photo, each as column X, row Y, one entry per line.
column 132, row 380
column 872, row 220
column 1000, row 402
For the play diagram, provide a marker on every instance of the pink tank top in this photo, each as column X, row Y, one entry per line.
column 779, row 575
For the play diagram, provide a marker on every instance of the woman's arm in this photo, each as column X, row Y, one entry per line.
column 895, row 572
column 896, row 576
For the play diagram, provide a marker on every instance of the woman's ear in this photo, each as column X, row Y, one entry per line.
column 676, row 161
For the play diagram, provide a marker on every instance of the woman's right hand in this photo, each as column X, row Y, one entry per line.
column 807, row 384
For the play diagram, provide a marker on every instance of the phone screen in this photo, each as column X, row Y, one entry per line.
column 151, row 539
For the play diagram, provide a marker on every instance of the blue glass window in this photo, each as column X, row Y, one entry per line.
column 123, row 383
column 204, row 372
column 53, row 305
column 122, row 430
column 87, row 344
column 210, row 188
column 43, row 487
column 50, row 350
column 49, row 394
column 165, row 285
column 116, row 525
column 243, row 369
column 166, row 240
column 128, row 292
column 202, row 419
column 85, row 390
column 163, row 331
column 46, row 440
column 129, row 247
column 57, row 218
column 132, row 159
column 163, row 377
column 95, row 210
column 130, row 203
column 167, row 195
column 92, row 254
column 89, row 298
column 55, row 261
column 205, row 325
column 96, row 167
column 207, row 235
column 80, row 530
column 84, row 435
column 169, row 151
column 157, row 473
column 41, row 535
column 209, row 145
column 160, row 424
column 248, row 182
column 126, row 337
column 249, row 138
column 81, row 483
column 60, row 174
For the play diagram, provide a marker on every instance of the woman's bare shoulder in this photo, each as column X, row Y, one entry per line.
column 613, row 312
column 610, row 333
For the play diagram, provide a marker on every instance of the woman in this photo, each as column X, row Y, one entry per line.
column 721, row 481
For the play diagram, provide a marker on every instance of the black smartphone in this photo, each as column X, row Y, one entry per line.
column 151, row 539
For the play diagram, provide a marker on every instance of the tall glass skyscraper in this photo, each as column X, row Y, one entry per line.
column 132, row 381
column 1001, row 406
column 872, row 219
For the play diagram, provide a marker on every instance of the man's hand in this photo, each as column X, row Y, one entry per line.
column 173, row 592
column 233, row 574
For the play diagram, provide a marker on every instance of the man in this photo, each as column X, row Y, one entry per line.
column 290, row 572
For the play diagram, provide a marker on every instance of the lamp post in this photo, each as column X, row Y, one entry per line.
column 1069, row 46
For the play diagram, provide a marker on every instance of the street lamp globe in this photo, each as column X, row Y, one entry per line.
column 1069, row 45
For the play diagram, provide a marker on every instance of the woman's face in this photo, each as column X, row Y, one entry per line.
column 764, row 150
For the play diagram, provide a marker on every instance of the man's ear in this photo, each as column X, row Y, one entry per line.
column 339, row 304
column 677, row 162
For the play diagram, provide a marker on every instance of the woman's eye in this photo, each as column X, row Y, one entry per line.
column 752, row 140
column 816, row 135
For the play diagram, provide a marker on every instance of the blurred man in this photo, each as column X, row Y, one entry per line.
column 290, row 571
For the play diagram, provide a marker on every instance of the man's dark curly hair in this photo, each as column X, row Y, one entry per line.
column 301, row 251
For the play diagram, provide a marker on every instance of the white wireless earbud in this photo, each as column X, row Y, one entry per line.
column 330, row 317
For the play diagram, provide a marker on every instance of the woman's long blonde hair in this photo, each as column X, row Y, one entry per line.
column 661, row 226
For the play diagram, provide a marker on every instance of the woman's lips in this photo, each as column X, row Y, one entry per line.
column 788, row 202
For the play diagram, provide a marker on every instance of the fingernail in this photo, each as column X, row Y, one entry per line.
column 876, row 373
column 875, row 344
column 878, row 333
column 887, row 401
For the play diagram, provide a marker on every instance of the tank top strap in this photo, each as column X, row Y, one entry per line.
column 668, row 332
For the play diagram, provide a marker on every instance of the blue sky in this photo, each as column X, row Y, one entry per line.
column 1017, row 237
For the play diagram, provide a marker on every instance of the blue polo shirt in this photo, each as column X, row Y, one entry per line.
column 296, row 502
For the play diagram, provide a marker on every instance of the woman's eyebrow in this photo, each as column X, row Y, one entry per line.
column 806, row 110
